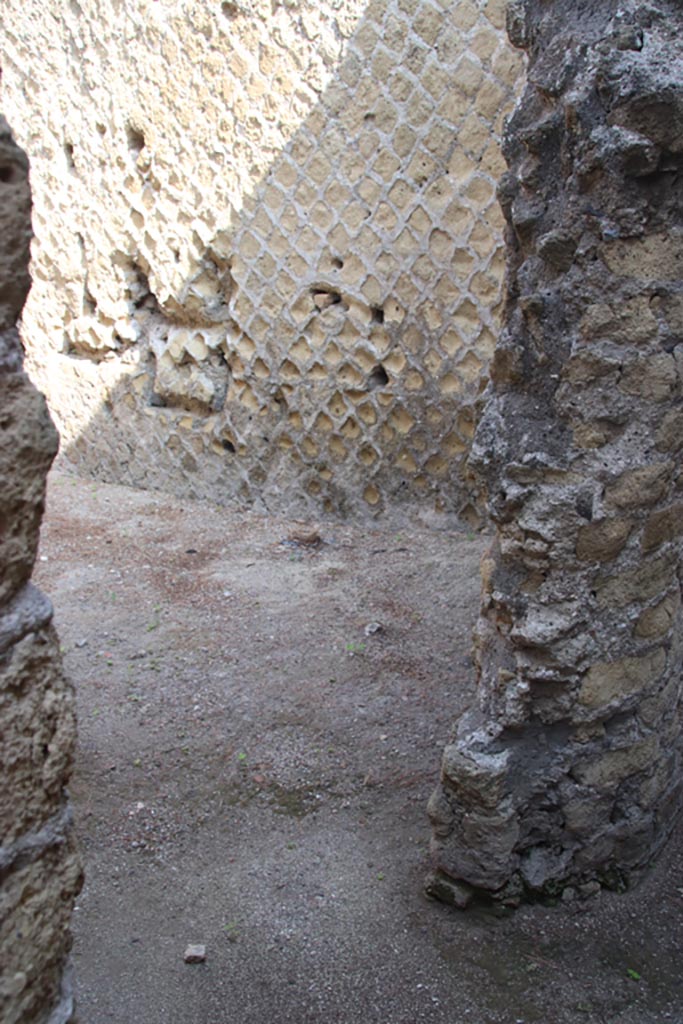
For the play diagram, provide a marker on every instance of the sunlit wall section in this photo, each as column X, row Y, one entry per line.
column 268, row 257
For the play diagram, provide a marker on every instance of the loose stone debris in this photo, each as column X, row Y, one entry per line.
column 195, row 954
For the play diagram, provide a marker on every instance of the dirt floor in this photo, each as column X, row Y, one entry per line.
column 261, row 720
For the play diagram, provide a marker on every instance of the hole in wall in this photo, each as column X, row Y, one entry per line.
column 138, row 287
column 89, row 302
column 69, row 154
column 377, row 314
column 135, row 139
column 379, row 378
column 584, row 506
column 337, row 263
column 228, row 445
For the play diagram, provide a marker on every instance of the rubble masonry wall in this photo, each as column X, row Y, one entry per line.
column 40, row 871
column 569, row 771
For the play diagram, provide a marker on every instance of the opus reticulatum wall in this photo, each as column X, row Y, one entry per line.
column 268, row 254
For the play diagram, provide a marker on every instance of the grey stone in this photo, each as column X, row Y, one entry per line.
column 195, row 954
column 448, row 890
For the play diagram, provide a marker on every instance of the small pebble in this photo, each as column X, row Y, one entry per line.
column 195, row 955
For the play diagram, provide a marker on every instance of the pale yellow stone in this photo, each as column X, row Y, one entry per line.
column 337, row 405
column 466, row 317
column 610, row 681
column 453, row 445
column 451, row 342
column 468, row 76
column 321, row 216
column 248, row 399
column 401, row 420
column 421, row 168
column 338, row 449
column 367, row 414
column 440, row 244
column 365, row 360
column 420, row 221
column 317, row 372
column 481, row 242
column 608, row 770
column 655, row 622
column 371, row 495
column 288, row 370
column 461, row 166
column 485, row 288
column 469, row 368
column 507, row 67
column 484, row 44
column 437, row 466
column 349, row 376
column 367, row 456
column 450, row 384
column 406, row 462
column 466, row 14
column 480, row 191
column 386, row 165
column 395, row 362
column 427, row 23
column 433, row 316
column 485, row 345
column 414, row 381
column 474, row 136
column 400, row 194
column 323, row 423
column 310, row 448
column 372, row 290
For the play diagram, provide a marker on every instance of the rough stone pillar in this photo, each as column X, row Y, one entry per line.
column 39, row 868
column 569, row 769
